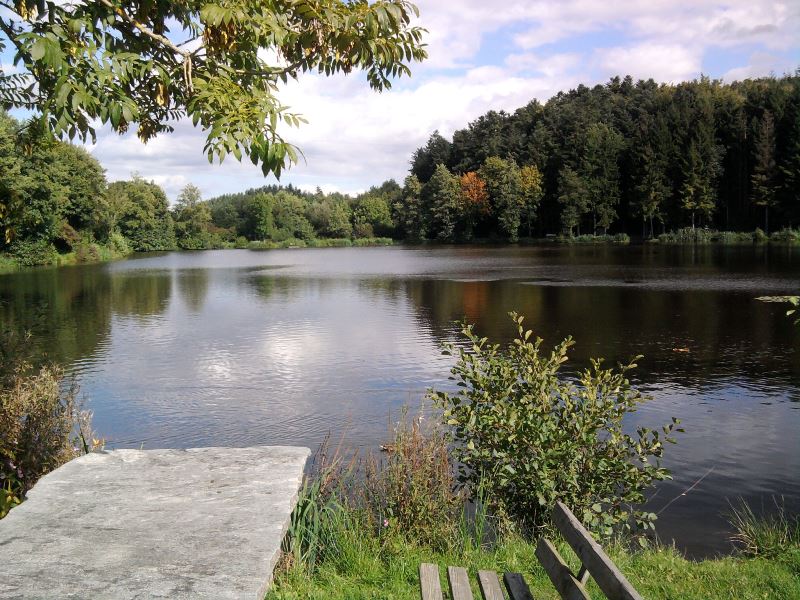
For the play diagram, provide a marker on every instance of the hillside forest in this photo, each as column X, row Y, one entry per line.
column 636, row 158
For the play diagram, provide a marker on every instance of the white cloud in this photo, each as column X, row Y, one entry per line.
column 669, row 63
column 482, row 57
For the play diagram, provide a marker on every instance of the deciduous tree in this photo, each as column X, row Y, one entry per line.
column 140, row 64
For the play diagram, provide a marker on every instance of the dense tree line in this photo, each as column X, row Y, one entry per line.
column 277, row 213
column 636, row 157
column 55, row 201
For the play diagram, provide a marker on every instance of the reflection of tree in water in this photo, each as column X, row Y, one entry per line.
column 66, row 310
column 725, row 333
column 193, row 288
column 291, row 289
column 141, row 294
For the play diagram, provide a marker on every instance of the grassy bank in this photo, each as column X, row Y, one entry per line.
column 474, row 483
column 361, row 530
column 367, row 567
column 688, row 235
column 35, row 254
column 318, row 243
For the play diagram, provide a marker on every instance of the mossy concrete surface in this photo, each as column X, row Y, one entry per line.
column 198, row 523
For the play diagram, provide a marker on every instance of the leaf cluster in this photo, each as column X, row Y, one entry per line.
column 150, row 63
column 534, row 436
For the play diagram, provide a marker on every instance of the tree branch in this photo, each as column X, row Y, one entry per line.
column 145, row 29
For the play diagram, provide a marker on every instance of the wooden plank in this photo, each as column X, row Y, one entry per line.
column 459, row 583
column 516, row 586
column 430, row 587
column 608, row 577
column 583, row 575
column 490, row 585
column 566, row 584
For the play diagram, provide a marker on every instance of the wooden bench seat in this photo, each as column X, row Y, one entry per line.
column 570, row 586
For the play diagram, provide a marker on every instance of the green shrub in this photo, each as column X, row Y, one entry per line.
column 41, row 428
column 330, row 243
column 786, row 236
column 33, row 252
column 118, row 244
column 8, row 264
column 687, row 235
column 411, row 490
column 619, row 238
column 732, row 238
column 536, row 437
column 373, row 241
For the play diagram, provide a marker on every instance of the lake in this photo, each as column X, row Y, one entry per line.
column 238, row 347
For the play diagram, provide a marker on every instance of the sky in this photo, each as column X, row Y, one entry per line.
column 482, row 56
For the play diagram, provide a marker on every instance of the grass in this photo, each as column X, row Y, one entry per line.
column 8, row 264
column 365, row 567
column 319, row 243
column 620, row 238
column 362, row 528
column 687, row 235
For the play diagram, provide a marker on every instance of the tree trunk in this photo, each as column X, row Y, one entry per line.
column 766, row 219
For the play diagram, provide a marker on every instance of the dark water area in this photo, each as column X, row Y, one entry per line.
column 237, row 348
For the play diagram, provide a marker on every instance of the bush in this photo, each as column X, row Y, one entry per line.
column 41, row 428
column 363, row 230
column 732, row 238
column 381, row 241
column 619, row 238
column 786, row 236
column 119, row 244
column 687, row 235
column 536, row 438
column 33, row 252
column 411, row 490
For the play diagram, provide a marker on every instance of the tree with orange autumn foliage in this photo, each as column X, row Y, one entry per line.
column 474, row 201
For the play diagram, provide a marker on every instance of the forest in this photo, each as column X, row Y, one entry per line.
column 624, row 159
column 636, row 157
column 57, row 207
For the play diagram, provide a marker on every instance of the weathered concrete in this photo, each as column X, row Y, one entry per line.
column 200, row 523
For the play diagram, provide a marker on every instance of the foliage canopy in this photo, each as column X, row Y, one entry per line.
column 148, row 64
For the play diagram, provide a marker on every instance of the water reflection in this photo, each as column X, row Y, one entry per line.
column 280, row 347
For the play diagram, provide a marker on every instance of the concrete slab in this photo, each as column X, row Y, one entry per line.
column 199, row 523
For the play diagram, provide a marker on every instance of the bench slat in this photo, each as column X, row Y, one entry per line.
column 516, row 586
column 459, row 583
column 608, row 577
column 490, row 585
column 430, row 586
column 568, row 587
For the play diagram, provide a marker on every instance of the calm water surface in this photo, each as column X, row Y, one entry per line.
column 237, row 347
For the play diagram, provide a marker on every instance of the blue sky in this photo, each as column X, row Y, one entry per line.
column 482, row 56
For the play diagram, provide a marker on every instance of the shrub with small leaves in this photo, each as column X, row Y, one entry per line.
column 535, row 437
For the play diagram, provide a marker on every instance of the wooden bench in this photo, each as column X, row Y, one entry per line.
column 569, row 585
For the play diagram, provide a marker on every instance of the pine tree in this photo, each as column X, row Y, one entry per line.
column 442, row 193
column 601, row 173
column 573, row 197
column 762, row 181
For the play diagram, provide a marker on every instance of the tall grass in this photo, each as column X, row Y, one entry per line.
column 351, row 541
column 767, row 535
